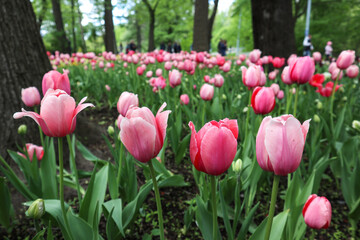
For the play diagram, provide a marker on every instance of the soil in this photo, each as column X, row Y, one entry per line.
column 90, row 127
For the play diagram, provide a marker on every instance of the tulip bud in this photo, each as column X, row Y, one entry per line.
column 110, row 130
column 224, row 97
column 317, row 212
column 237, row 166
column 22, row 129
column 238, row 96
column 245, row 109
column 327, row 75
column 36, row 209
column 319, row 105
column 356, row 125
column 316, row 118
column 344, row 99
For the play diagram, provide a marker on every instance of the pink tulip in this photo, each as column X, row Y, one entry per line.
column 57, row 113
column 278, row 62
column 101, row 64
column 336, row 73
column 280, row 95
column 280, row 143
column 352, row 71
column 149, row 74
column 107, row 87
column 207, row 92
column 345, row 59
column 252, row 76
column 213, row 148
column 168, row 66
column 242, row 57
column 207, row 78
column 272, row 74
column 140, row 70
column 174, row 78
column 200, row 57
column 30, row 96
column 332, row 67
column 317, row 57
column 226, row 67
column 119, row 119
column 31, row 149
column 317, row 212
column 218, row 80
column 263, row 100
column 184, row 99
column 126, row 101
column 291, row 59
column 275, row 87
column 158, row 72
column 301, row 70
column 55, row 80
column 254, row 55
column 142, row 133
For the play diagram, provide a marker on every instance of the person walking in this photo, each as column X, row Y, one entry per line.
column 307, row 45
column 328, row 50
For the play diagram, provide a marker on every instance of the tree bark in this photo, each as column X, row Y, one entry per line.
column 201, row 32
column 211, row 21
column 83, row 43
column 138, row 31
column 42, row 13
column 64, row 42
column 273, row 27
column 110, row 42
column 23, row 62
column 152, row 10
column 73, row 25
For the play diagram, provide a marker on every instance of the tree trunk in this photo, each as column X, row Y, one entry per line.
column 273, row 27
column 211, row 21
column 138, row 31
column 73, row 25
column 64, row 42
column 201, row 33
column 42, row 13
column 110, row 42
column 23, row 62
column 83, row 43
column 151, row 31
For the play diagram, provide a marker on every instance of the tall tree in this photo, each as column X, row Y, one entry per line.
column 64, row 42
column 23, row 62
column 152, row 10
column 211, row 21
column 73, row 25
column 110, row 41
column 83, row 43
column 273, row 27
column 201, row 26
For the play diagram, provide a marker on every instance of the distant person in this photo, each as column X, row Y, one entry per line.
column 121, row 48
column 132, row 46
column 127, row 49
column 162, row 46
column 307, row 45
column 169, row 47
column 219, row 46
column 177, row 47
column 328, row 50
column 222, row 47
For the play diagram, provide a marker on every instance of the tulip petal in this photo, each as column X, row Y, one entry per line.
column 194, row 149
column 232, row 125
column 262, row 155
column 138, row 136
column 161, row 125
column 305, row 128
column 274, row 139
column 218, row 149
column 37, row 118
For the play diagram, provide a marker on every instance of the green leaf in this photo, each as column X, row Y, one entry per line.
column 339, row 123
column 225, row 215
column 49, row 232
column 79, row 228
column 87, row 154
column 203, row 219
column 355, row 210
column 173, row 181
column 277, row 229
column 114, row 215
column 113, row 186
column 181, row 150
column 6, row 208
column 245, row 225
column 39, row 235
column 48, row 171
column 94, row 195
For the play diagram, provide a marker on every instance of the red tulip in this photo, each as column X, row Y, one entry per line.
column 56, row 80
column 57, row 113
column 263, row 100
column 280, row 143
column 213, row 148
column 140, row 70
column 327, row 90
column 31, row 149
column 30, row 96
column 142, row 133
column 317, row 212
column 317, row 80
column 278, row 62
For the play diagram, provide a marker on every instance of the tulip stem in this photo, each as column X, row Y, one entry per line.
column 40, row 131
column 203, row 114
column 214, row 209
column 120, row 164
column 288, row 99
column 312, row 237
column 332, row 103
column 296, row 99
column 61, row 184
column 74, row 169
column 247, row 118
column 158, row 201
column 37, row 226
column 272, row 206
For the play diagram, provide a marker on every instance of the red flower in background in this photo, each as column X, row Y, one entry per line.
column 317, row 80
column 278, row 62
column 327, row 90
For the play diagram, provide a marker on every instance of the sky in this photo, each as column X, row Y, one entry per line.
column 86, row 8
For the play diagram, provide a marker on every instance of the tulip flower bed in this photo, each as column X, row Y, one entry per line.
column 190, row 146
